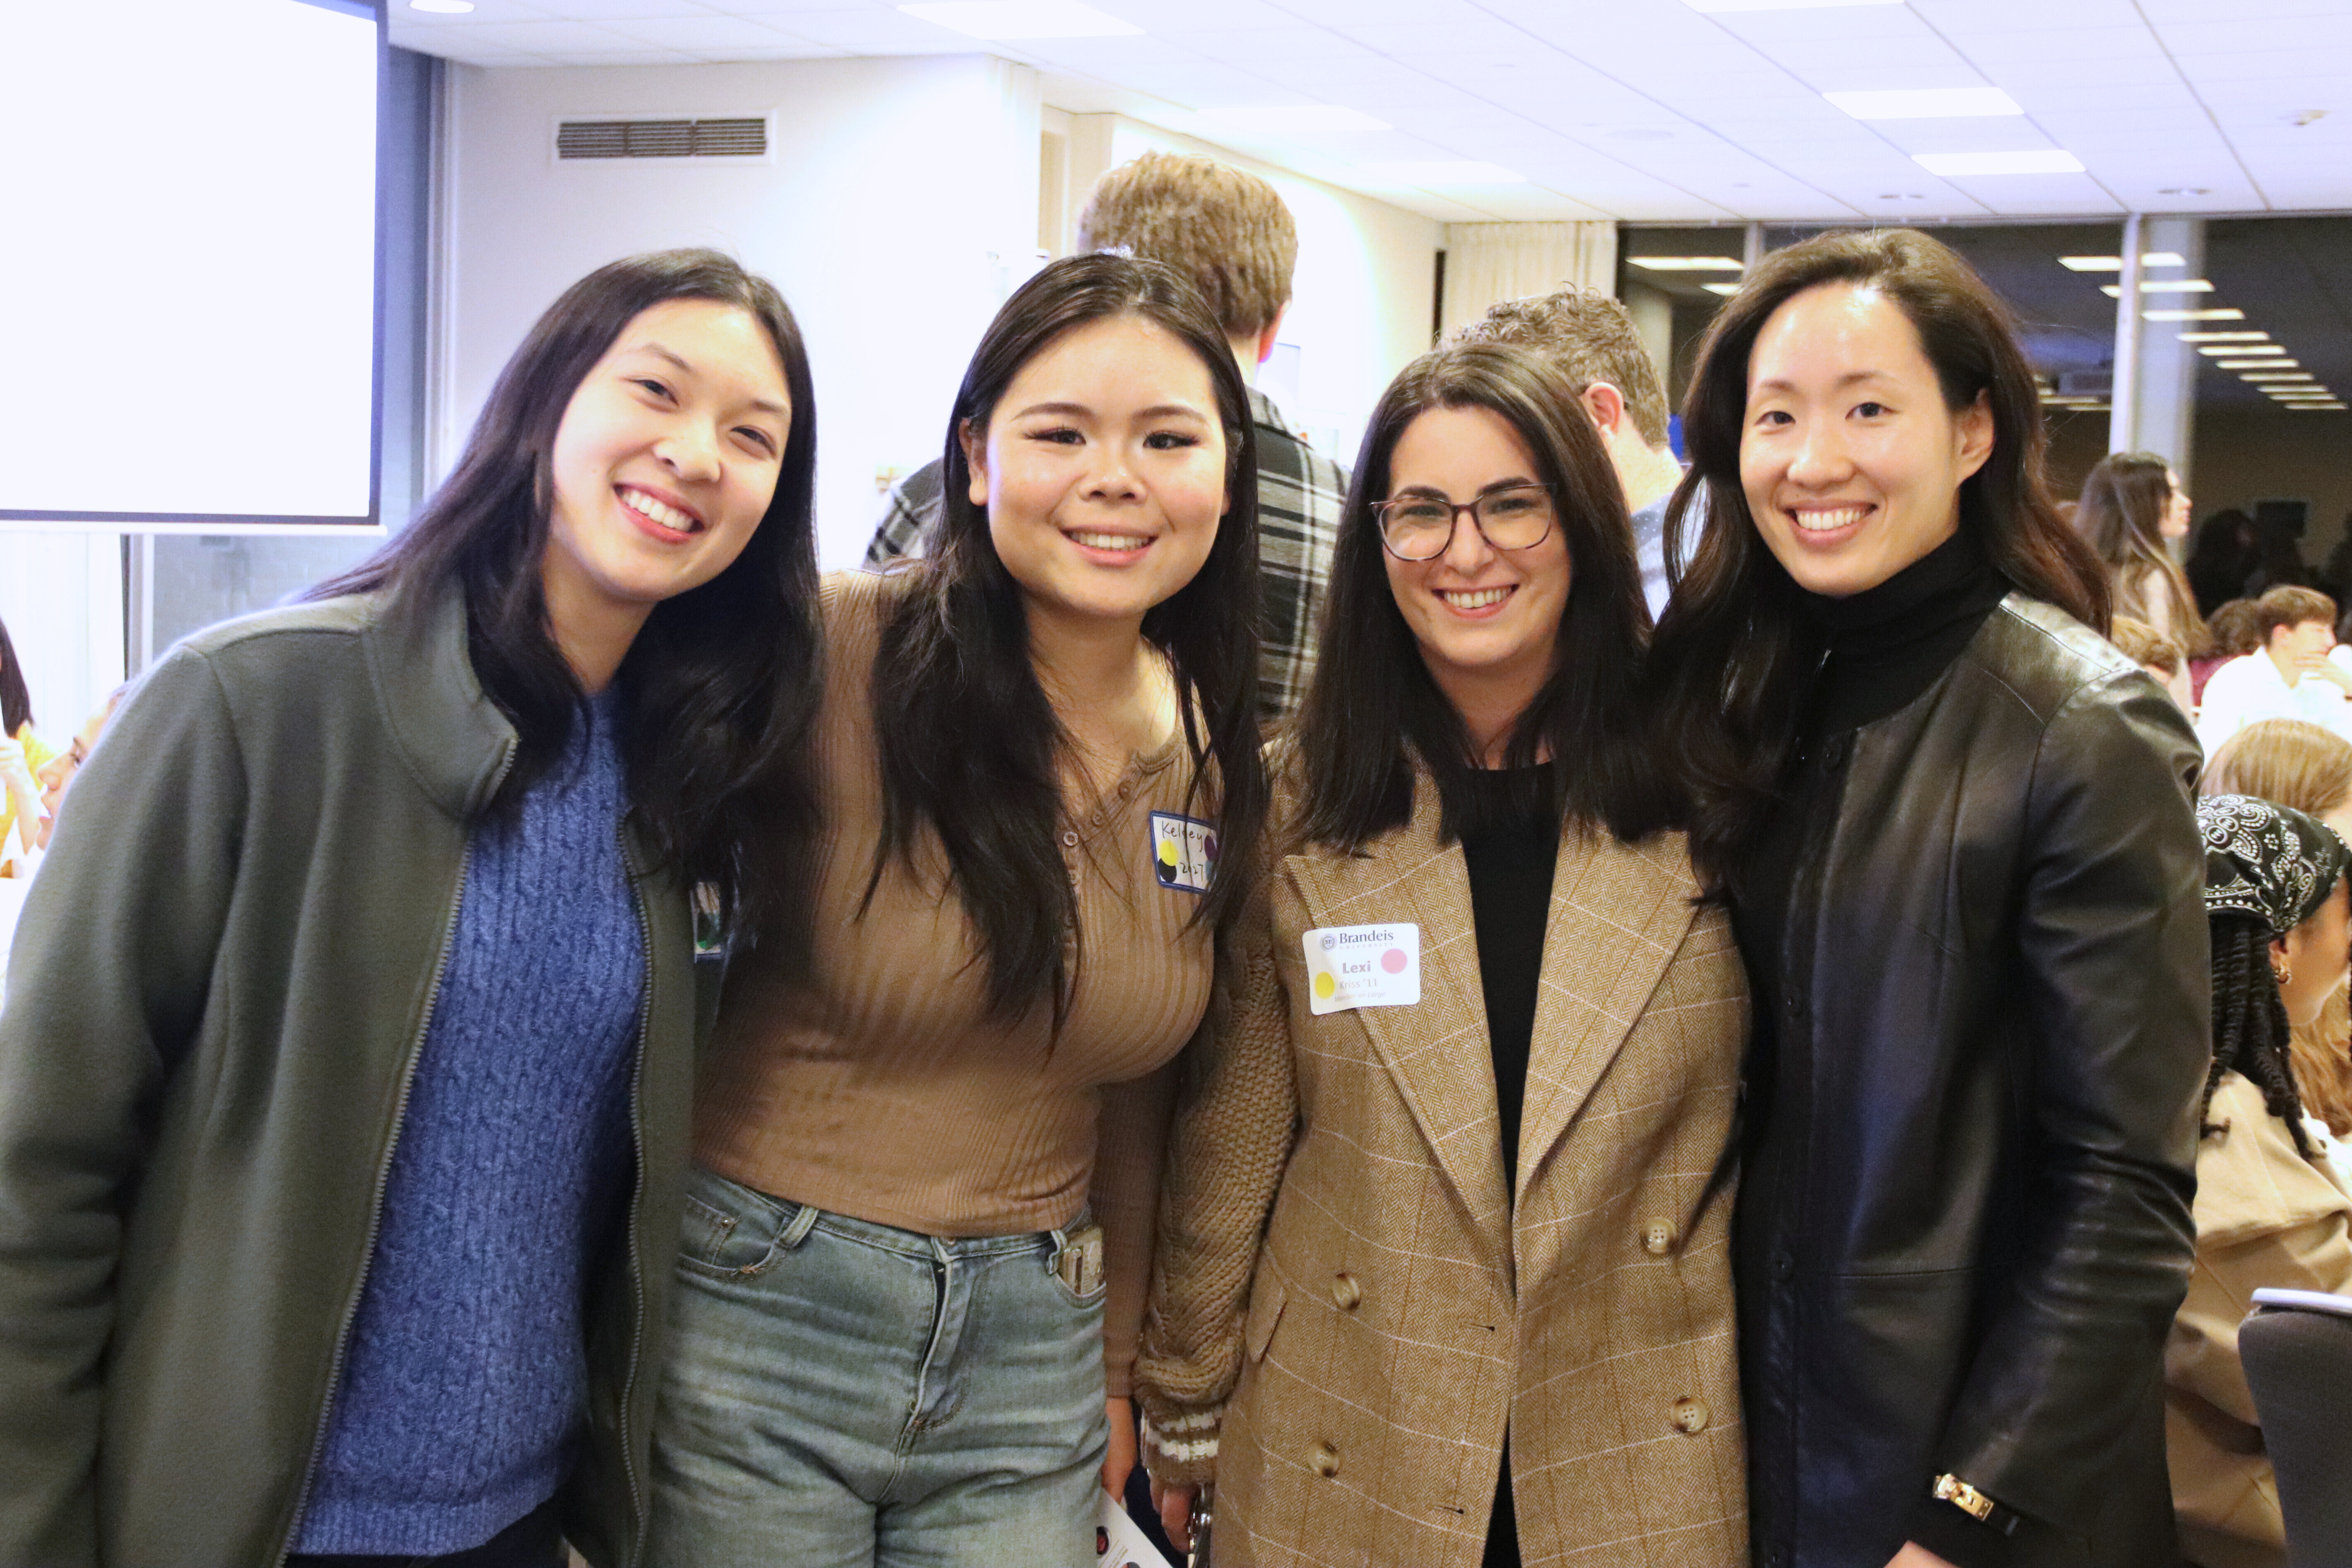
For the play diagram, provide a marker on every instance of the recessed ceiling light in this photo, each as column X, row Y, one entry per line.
column 1442, row 173
column 2317, row 407
column 2233, row 348
column 2160, row 286
column 2259, row 376
column 2116, row 263
column 1926, row 103
column 1296, row 119
column 2223, row 338
column 1720, row 288
column 2216, row 313
column 2298, row 392
column 1022, row 19
column 2257, row 364
column 1687, row 263
column 443, row 7
column 1712, row 6
column 2186, row 191
column 1961, row 165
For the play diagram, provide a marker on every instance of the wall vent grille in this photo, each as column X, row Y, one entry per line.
column 662, row 138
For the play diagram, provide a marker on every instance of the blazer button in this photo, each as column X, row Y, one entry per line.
column 1784, row 1265
column 1657, row 1239
column 1345, row 1293
column 1690, row 1416
column 1326, row 1460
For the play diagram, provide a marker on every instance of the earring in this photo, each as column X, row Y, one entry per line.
column 2279, row 971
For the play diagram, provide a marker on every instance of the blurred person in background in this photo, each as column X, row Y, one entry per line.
column 2289, row 676
column 1230, row 233
column 2299, row 764
column 24, row 758
column 1954, row 829
column 1592, row 339
column 2224, row 560
column 2267, row 1212
column 347, row 1061
column 58, row 777
column 2132, row 510
column 2233, row 630
column 1447, row 1283
column 2156, row 654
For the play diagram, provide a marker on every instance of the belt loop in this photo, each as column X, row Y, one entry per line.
column 802, row 1223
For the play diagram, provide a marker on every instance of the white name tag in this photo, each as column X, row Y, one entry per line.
column 1183, row 852
column 1363, row 966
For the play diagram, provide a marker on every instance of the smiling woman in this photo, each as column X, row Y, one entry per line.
column 1952, row 826
column 931, row 1163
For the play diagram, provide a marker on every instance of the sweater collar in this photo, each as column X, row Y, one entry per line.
column 1950, row 583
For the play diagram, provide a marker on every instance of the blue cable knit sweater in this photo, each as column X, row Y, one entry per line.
column 464, row 1377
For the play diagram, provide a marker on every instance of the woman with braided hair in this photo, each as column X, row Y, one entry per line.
column 2280, row 914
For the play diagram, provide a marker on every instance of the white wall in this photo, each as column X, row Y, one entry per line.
column 897, row 209
column 1363, row 296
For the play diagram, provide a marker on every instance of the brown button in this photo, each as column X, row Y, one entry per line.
column 1345, row 1293
column 1069, row 841
column 1326, row 1460
column 1657, row 1239
column 1126, row 788
column 1690, row 1416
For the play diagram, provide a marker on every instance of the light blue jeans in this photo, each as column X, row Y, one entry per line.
column 842, row 1395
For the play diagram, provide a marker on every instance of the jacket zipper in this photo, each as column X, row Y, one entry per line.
column 638, row 1519
column 383, row 1180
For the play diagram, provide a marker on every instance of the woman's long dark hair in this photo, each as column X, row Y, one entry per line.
column 2251, row 1035
column 1373, row 708
column 2121, row 516
column 722, row 682
column 1733, row 655
column 970, row 745
column 16, row 697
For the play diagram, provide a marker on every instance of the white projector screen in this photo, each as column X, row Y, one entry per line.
column 188, row 298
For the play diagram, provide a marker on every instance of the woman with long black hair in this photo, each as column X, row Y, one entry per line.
column 346, row 1069
column 1954, row 829
column 914, row 1255
column 1444, row 1275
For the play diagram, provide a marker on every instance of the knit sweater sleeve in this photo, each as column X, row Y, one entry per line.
column 1126, row 1190
column 1228, row 1145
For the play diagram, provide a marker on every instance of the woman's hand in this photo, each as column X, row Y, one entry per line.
column 1175, row 1506
column 1915, row 1555
column 1120, row 1462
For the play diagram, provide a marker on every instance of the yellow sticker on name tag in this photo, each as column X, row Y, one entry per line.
column 1363, row 966
column 1183, row 852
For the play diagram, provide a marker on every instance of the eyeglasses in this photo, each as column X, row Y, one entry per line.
column 1421, row 527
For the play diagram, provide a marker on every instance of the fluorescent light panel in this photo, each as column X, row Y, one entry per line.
column 442, row 7
column 1442, row 173
column 2224, row 338
column 1712, row 7
column 1962, row 166
column 1720, row 288
column 1926, row 103
column 2263, row 375
column 2161, row 286
column 2219, row 313
column 2316, row 407
column 2233, row 348
column 2258, row 364
column 1687, row 263
column 1296, row 119
column 2116, row 263
column 1022, row 19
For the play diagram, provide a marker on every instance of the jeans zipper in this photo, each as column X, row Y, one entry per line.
column 637, row 1138
column 383, row 1180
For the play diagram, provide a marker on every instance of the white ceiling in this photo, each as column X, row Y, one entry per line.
column 1642, row 109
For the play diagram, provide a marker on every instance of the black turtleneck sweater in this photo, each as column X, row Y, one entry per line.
column 1883, row 649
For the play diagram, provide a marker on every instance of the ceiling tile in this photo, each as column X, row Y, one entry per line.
column 1957, row 18
column 2225, row 31
column 1878, row 63
column 2283, row 66
column 881, row 30
column 1194, row 16
column 1347, row 16
column 1776, row 31
column 1419, row 40
column 702, row 35
column 399, row 18
column 597, row 58
column 546, row 38
column 625, row 10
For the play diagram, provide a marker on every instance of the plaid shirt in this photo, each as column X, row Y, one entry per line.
column 1300, row 496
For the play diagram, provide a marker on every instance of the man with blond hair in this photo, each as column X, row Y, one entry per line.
column 1591, row 338
column 1230, row 233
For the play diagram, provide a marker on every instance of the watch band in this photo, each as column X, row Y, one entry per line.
column 1950, row 1488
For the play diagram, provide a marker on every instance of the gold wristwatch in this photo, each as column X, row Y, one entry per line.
column 1950, row 1488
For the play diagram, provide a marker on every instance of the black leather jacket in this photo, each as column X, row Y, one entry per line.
column 1965, row 1222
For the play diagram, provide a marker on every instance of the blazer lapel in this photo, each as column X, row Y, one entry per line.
column 1618, row 914
column 1436, row 1051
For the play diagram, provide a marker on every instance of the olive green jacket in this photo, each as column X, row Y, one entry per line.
column 216, row 1000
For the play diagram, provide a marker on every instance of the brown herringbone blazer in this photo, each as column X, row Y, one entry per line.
column 1333, row 1297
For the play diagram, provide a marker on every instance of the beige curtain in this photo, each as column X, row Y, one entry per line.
column 1486, row 263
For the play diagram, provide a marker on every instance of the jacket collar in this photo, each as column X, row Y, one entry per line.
column 456, row 743
column 1618, row 914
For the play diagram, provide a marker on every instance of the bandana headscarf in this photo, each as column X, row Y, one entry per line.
column 2267, row 861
